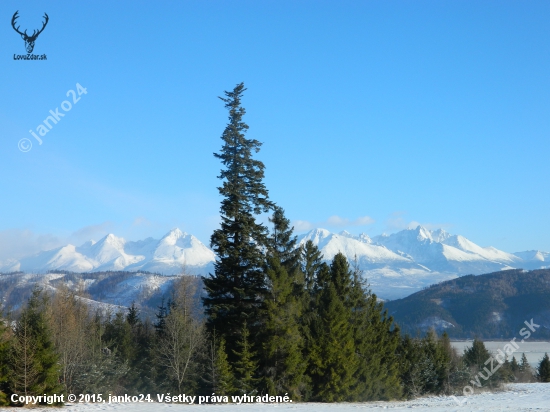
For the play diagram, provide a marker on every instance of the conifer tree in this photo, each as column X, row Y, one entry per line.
column 282, row 362
column 236, row 290
column 282, row 242
column 476, row 355
column 376, row 340
column 543, row 370
column 224, row 381
column 4, row 359
column 514, row 365
column 524, row 365
column 246, row 364
column 35, row 362
column 333, row 361
column 311, row 263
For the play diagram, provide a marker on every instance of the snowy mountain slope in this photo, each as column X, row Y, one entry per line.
column 169, row 255
column 396, row 265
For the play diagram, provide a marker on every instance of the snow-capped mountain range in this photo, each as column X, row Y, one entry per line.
column 395, row 265
column 170, row 255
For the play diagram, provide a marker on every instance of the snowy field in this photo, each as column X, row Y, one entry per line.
column 516, row 397
column 534, row 351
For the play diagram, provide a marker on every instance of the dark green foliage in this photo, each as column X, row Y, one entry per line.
column 225, row 381
column 476, row 358
column 514, row 366
column 476, row 355
column 333, row 362
column 236, row 291
column 524, row 365
column 376, row 342
column 246, row 365
column 543, row 370
column 311, row 263
column 282, row 362
column 34, row 362
column 426, row 365
column 4, row 359
column 282, row 242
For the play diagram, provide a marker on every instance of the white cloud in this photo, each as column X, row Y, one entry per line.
column 302, row 225
column 16, row 243
column 91, row 232
column 396, row 222
column 332, row 221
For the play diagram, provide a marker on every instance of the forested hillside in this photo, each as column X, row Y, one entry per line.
column 489, row 306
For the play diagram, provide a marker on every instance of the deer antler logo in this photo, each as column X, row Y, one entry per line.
column 29, row 40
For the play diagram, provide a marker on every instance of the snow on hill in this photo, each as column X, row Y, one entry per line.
column 402, row 263
column 168, row 256
column 395, row 265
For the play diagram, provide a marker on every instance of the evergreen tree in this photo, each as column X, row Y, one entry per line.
column 333, row 362
column 160, row 324
column 514, row 366
column 35, row 362
column 376, row 341
column 236, row 290
column 283, row 366
column 311, row 260
column 475, row 358
column 524, row 365
column 245, row 365
column 282, row 242
column 543, row 370
column 476, row 355
column 4, row 359
column 224, row 380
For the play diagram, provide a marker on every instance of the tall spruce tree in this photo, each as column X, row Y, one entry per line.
column 543, row 370
column 311, row 260
column 376, row 341
column 246, row 365
column 282, row 362
column 35, row 363
column 237, row 289
column 4, row 359
column 332, row 358
column 282, row 242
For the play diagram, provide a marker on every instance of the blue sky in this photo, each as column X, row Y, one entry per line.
column 374, row 115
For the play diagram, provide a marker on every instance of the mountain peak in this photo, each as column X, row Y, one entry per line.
column 173, row 236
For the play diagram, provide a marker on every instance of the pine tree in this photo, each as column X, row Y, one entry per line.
column 543, row 370
column 35, row 362
column 376, row 340
column 237, row 289
column 333, row 361
column 524, row 365
column 311, row 263
column 476, row 355
column 514, row 365
column 224, row 381
column 283, row 366
column 282, row 242
column 4, row 359
column 245, row 365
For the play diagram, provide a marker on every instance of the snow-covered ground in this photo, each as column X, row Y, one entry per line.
column 517, row 397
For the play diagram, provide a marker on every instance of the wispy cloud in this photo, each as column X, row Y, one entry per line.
column 397, row 221
column 334, row 221
column 91, row 232
column 16, row 243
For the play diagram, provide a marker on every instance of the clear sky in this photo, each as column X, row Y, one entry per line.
column 374, row 115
